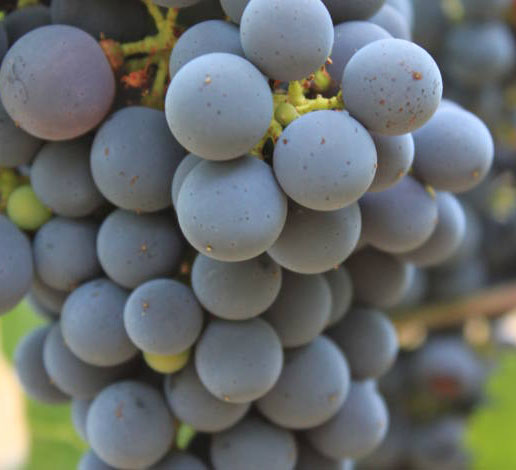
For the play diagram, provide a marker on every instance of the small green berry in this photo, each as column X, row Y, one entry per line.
column 26, row 210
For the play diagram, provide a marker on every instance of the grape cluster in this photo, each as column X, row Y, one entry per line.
column 219, row 259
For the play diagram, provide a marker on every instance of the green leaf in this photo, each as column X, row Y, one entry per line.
column 491, row 433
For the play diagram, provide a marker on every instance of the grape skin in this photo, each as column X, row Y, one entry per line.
column 312, row 386
column 65, row 254
column 56, row 103
column 218, row 106
column 395, row 158
column 186, row 165
column 92, row 324
column 234, row 9
column 239, row 362
column 325, row 160
column 121, row 174
column 238, row 290
column 17, row 266
column 392, row 21
column 62, row 180
column 90, row 461
column 447, row 236
column 177, row 460
column 80, row 410
column 193, row 404
column 352, row 9
column 121, row 20
column 231, row 211
column 341, row 288
column 254, row 444
column 313, row 242
column 400, row 218
column 309, row 459
column 135, row 248
column 274, row 37
column 28, row 360
column 163, row 317
column 369, row 341
column 118, row 420
column 49, row 298
column 204, row 38
column 455, row 150
column 379, row 279
column 73, row 376
column 16, row 146
column 392, row 86
column 302, row 309
column 406, row 9
column 350, row 37
column 357, row 429
column 20, row 22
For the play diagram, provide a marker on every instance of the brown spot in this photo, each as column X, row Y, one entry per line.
column 133, row 181
column 226, row 398
column 144, row 248
column 119, row 410
column 323, row 141
column 285, row 141
column 329, row 61
column 332, row 397
column 382, row 102
column 476, row 174
column 185, row 268
column 145, row 305
column 106, row 151
column 209, row 248
column 417, row 75
column 207, row 80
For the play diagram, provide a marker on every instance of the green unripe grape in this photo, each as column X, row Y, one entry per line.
column 167, row 364
column 26, row 210
column 285, row 113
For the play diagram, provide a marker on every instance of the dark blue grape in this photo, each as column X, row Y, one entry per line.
column 121, row 20
column 204, row 38
column 16, row 267
column 73, row 376
column 135, row 248
column 369, row 342
column 16, row 146
column 231, row 211
column 20, row 22
column 341, row 288
column 239, row 362
column 183, row 169
column 392, row 86
column 352, row 9
column 350, row 37
column 312, row 386
column 236, row 291
column 209, row 102
column 379, row 279
column 121, row 174
column 454, row 150
column 254, row 445
column 62, row 180
column 316, row 241
column 90, row 461
column 395, row 157
column 28, row 360
column 129, row 425
column 400, row 218
column 357, row 429
column 302, row 309
column 49, row 298
column 177, row 460
column 65, row 252
column 92, row 323
column 163, row 317
column 234, row 9
column 274, row 37
column 56, row 82
column 390, row 19
column 80, row 410
column 194, row 405
column 325, row 160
